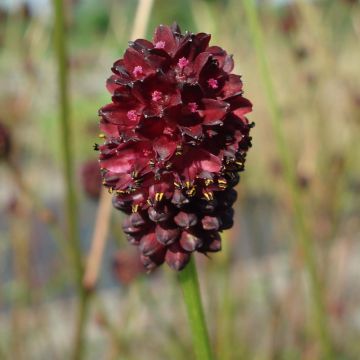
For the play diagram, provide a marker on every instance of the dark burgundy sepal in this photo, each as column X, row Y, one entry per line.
column 227, row 221
column 213, row 242
column 233, row 179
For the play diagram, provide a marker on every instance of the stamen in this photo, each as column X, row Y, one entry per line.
column 156, row 96
column 160, row 45
column 169, row 130
column 193, row 106
column 132, row 115
column 138, row 70
column 146, row 152
column 183, row 62
column 213, row 83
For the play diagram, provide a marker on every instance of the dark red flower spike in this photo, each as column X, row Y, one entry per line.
column 176, row 137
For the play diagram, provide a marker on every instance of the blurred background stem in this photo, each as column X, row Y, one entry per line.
column 68, row 158
column 190, row 287
column 304, row 237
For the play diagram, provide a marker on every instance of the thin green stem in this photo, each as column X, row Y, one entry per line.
column 190, row 287
column 70, row 199
column 304, row 235
column 66, row 138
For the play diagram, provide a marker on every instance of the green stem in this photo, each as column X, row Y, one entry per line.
column 66, row 138
column 190, row 287
column 304, row 235
column 70, row 199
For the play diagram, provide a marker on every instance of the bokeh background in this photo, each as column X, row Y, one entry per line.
column 258, row 295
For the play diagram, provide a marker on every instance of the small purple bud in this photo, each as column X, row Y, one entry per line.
column 137, row 219
column 210, row 222
column 189, row 241
column 121, row 204
column 153, row 261
column 128, row 228
column 149, row 245
column 227, row 219
column 185, row 220
column 159, row 215
column 176, row 257
column 165, row 234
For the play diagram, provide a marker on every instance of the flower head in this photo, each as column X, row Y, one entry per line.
column 5, row 142
column 91, row 178
column 176, row 137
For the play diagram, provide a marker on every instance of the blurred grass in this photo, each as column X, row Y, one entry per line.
column 256, row 297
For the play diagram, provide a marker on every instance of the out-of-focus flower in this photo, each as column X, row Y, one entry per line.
column 176, row 137
column 289, row 20
column 127, row 266
column 91, row 178
column 5, row 142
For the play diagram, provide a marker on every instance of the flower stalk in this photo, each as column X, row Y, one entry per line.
column 304, row 236
column 190, row 288
column 70, row 197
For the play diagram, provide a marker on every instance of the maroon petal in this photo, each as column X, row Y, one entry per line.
column 200, row 62
column 165, row 147
column 132, row 59
column 214, row 111
column 232, row 86
column 164, row 33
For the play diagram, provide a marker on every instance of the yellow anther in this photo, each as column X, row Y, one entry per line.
column 208, row 182
column 149, row 202
column 135, row 208
column 208, row 196
column 177, row 185
column 187, row 184
column 110, row 190
column 159, row 196
column 102, row 136
column 120, row 192
column 192, row 191
column 222, row 183
column 179, row 150
column 134, row 174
